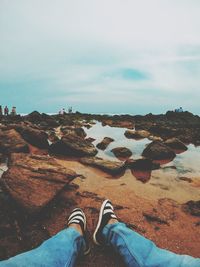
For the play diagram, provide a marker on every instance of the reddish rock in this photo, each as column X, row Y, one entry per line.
column 34, row 136
column 175, row 144
column 158, row 151
column 71, row 130
column 140, row 134
column 104, row 143
column 33, row 180
column 72, row 145
column 118, row 123
column 111, row 167
column 121, row 152
column 11, row 141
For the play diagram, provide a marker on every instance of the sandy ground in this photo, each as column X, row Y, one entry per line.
column 135, row 203
column 176, row 230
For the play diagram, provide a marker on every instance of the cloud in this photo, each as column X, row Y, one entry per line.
column 97, row 54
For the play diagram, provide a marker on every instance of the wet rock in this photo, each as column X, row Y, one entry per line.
column 158, row 151
column 192, row 207
column 140, row 134
column 121, row 152
column 155, row 138
column 142, row 164
column 104, row 143
column 34, row 136
column 11, row 141
column 108, row 166
column 90, row 139
column 72, row 145
column 52, row 137
column 33, row 180
column 176, row 144
column 162, row 131
column 70, row 130
column 118, row 123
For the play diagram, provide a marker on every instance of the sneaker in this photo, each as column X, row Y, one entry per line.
column 78, row 217
column 106, row 213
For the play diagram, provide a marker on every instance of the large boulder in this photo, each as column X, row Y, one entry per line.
column 140, row 134
column 104, row 143
column 33, row 180
column 11, row 141
column 34, row 136
column 158, row 151
column 121, row 152
column 73, row 145
column 111, row 167
column 175, row 144
column 34, row 117
column 79, row 131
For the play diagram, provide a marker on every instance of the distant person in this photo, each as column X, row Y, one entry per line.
column 6, row 111
column 1, row 111
column 70, row 110
column 63, row 249
column 13, row 111
column 180, row 109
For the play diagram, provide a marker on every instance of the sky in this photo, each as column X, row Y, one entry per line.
column 100, row 56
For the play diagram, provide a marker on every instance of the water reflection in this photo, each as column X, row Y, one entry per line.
column 98, row 132
column 185, row 162
column 143, row 176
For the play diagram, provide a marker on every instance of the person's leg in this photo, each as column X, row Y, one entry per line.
column 60, row 250
column 136, row 250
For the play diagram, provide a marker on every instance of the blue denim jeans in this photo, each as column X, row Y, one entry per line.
column 60, row 250
column 63, row 249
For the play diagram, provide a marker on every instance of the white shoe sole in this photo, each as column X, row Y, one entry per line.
column 99, row 222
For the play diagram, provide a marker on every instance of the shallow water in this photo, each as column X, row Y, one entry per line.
column 166, row 180
column 98, row 132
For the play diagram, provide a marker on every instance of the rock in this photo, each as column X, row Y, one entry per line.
column 162, row 131
column 176, row 144
column 72, row 145
column 34, row 136
column 142, row 164
column 34, row 117
column 140, row 134
column 90, row 139
column 155, row 138
column 121, row 152
column 74, row 130
column 158, row 151
column 52, row 137
column 104, row 143
column 11, row 141
column 111, row 167
column 118, row 123
column 192, row 207
column 33, row 180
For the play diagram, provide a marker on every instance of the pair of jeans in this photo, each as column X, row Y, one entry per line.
column 63, row 249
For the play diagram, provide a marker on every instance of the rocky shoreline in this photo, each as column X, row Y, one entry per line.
column 50, row 161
